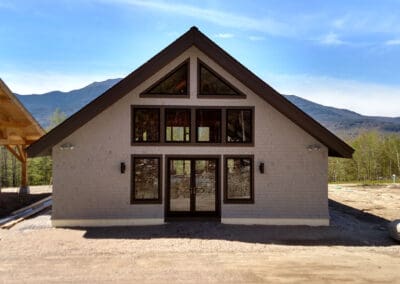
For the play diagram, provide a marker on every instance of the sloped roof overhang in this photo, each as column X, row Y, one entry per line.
column 193, row 37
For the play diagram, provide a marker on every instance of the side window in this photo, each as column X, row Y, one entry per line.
column 239, row 126
column 239, row 176
column 177, row 125
column 146, row 179
column 208, row 125
column 146, row 125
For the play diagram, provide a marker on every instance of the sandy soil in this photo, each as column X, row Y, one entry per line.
column 355, row 248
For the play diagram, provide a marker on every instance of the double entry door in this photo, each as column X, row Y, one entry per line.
column 192, row 187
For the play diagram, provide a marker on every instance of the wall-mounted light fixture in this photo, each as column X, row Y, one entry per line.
column 313, row 147
column 122, row 167
column 67, row 146
column 261, row 167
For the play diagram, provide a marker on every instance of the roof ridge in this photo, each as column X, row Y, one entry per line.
column 193, row 37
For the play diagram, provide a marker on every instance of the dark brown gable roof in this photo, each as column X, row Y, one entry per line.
column 336, row 146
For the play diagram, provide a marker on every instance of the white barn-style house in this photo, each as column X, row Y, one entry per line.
column 191, row 134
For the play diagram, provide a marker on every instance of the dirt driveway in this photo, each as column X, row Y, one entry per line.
column 355, row 248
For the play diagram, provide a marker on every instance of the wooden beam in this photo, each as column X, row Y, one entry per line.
column 21, row 151
column 32, row 137
column 22, row 156
column 14, row 142
column 4, row 99
column 17, row 155
column 13, row 123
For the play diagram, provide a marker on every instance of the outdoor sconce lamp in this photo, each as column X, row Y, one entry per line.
column 67, row 146
column 261, row 168
column 314, row 147
column 122, row 167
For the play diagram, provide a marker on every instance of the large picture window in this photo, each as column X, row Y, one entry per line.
column 208, row 125
column 192, row 125
column 146, row 179
column 177, row 125
column 146, row 125
column 239, row 126
column 239, row 176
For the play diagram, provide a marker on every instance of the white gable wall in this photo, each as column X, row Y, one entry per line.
column 89, row 189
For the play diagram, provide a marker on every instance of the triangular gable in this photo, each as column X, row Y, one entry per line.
column 193, row 37
column 211, row 84
column 174, row 83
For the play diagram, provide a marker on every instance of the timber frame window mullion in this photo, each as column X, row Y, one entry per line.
column 223, row 125
column 190, row 128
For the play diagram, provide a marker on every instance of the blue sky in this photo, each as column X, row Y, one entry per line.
column 339, row 53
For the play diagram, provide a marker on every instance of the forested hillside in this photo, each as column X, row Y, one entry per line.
column 345, row 123
column 375, row 139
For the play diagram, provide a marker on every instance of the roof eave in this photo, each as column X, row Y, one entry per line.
column 112, row 95
column 336, row 146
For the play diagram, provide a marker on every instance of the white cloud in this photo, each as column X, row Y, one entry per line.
column 35, row 83
column 393, row 42
column 302, row 25
column 225, row 19
column 224, row 35
column 362, row 97
column 366, row 20
column 331, row 39
column 256, row 38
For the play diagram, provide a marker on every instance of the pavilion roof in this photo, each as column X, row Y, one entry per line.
column 17, row 125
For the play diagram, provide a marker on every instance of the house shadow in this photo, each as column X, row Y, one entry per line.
column 349, row 227
column 11, row 201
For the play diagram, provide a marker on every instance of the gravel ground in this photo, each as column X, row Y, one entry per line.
column 34, row 189
column 355, row 248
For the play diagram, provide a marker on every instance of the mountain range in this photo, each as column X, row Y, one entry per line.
column 343, row 122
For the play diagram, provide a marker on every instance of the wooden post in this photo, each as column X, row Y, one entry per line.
column 24, row 174
column 24, row 189
column 20, row 154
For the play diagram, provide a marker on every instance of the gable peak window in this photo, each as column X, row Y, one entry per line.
column 174, row 83
column 211, row 84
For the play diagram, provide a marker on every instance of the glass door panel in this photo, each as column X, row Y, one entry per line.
column 180, row 184
column 205, row 185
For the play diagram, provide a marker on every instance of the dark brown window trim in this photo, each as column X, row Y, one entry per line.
column 144, row 107
column 200, row 64
column 145, row 93
column 218, row 159
column 225, row 170
column 252, row 126
column 164, row 126
column 220, row 130
column 193, row 127
column 160, row 169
